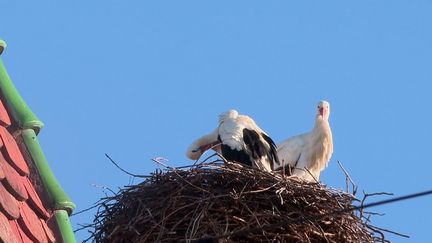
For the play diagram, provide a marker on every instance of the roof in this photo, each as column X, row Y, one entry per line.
column 33, row 206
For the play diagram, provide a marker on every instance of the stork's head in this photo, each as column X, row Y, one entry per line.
column 231, row 114
column 323, row 109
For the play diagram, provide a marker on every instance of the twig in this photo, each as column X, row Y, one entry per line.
column 214, row 146
column 366, row 195
column 174, row 170
column 348, row 177
column 310, row 173
column 104, row 188
column 85, row 210
column 120, row 168
column 389, row 231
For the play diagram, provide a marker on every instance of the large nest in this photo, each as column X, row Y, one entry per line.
column 224, row 202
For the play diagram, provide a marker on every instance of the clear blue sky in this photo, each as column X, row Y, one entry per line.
column 140, row 80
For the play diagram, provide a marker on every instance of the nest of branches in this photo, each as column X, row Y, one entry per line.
column 225, row 202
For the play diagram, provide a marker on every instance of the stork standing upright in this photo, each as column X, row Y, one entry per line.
column 238, row 138
column 308, row 154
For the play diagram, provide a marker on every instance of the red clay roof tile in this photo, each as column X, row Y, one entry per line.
column 22, row 237
column 13, row 153
column 34, row 200
column 6, row 232
column 4, row 117
column 2, row 174
column 14, row 228
column 13, row 182
column 48, row 232
column 31, row 225
column 8, row 204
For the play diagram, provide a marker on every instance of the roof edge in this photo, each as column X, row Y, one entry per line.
column 30, row 126
column 17, row 106
column 60, row 199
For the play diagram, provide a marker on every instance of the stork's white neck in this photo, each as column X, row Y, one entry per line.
column 321, row 125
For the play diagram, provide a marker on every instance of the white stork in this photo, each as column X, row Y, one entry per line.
column 238, row 138
column 308, row 154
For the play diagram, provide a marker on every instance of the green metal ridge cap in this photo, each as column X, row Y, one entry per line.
column 30, row 126
column 17, row 106
column 65, row 227
column 59, row 197
column 63, row 205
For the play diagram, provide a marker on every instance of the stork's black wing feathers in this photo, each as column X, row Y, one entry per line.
column 272, row 153
column 234, row 155
column 257, row 148
column 253, row 143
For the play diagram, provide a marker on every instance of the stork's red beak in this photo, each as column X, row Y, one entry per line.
column 205, row 147
column 321, row 110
